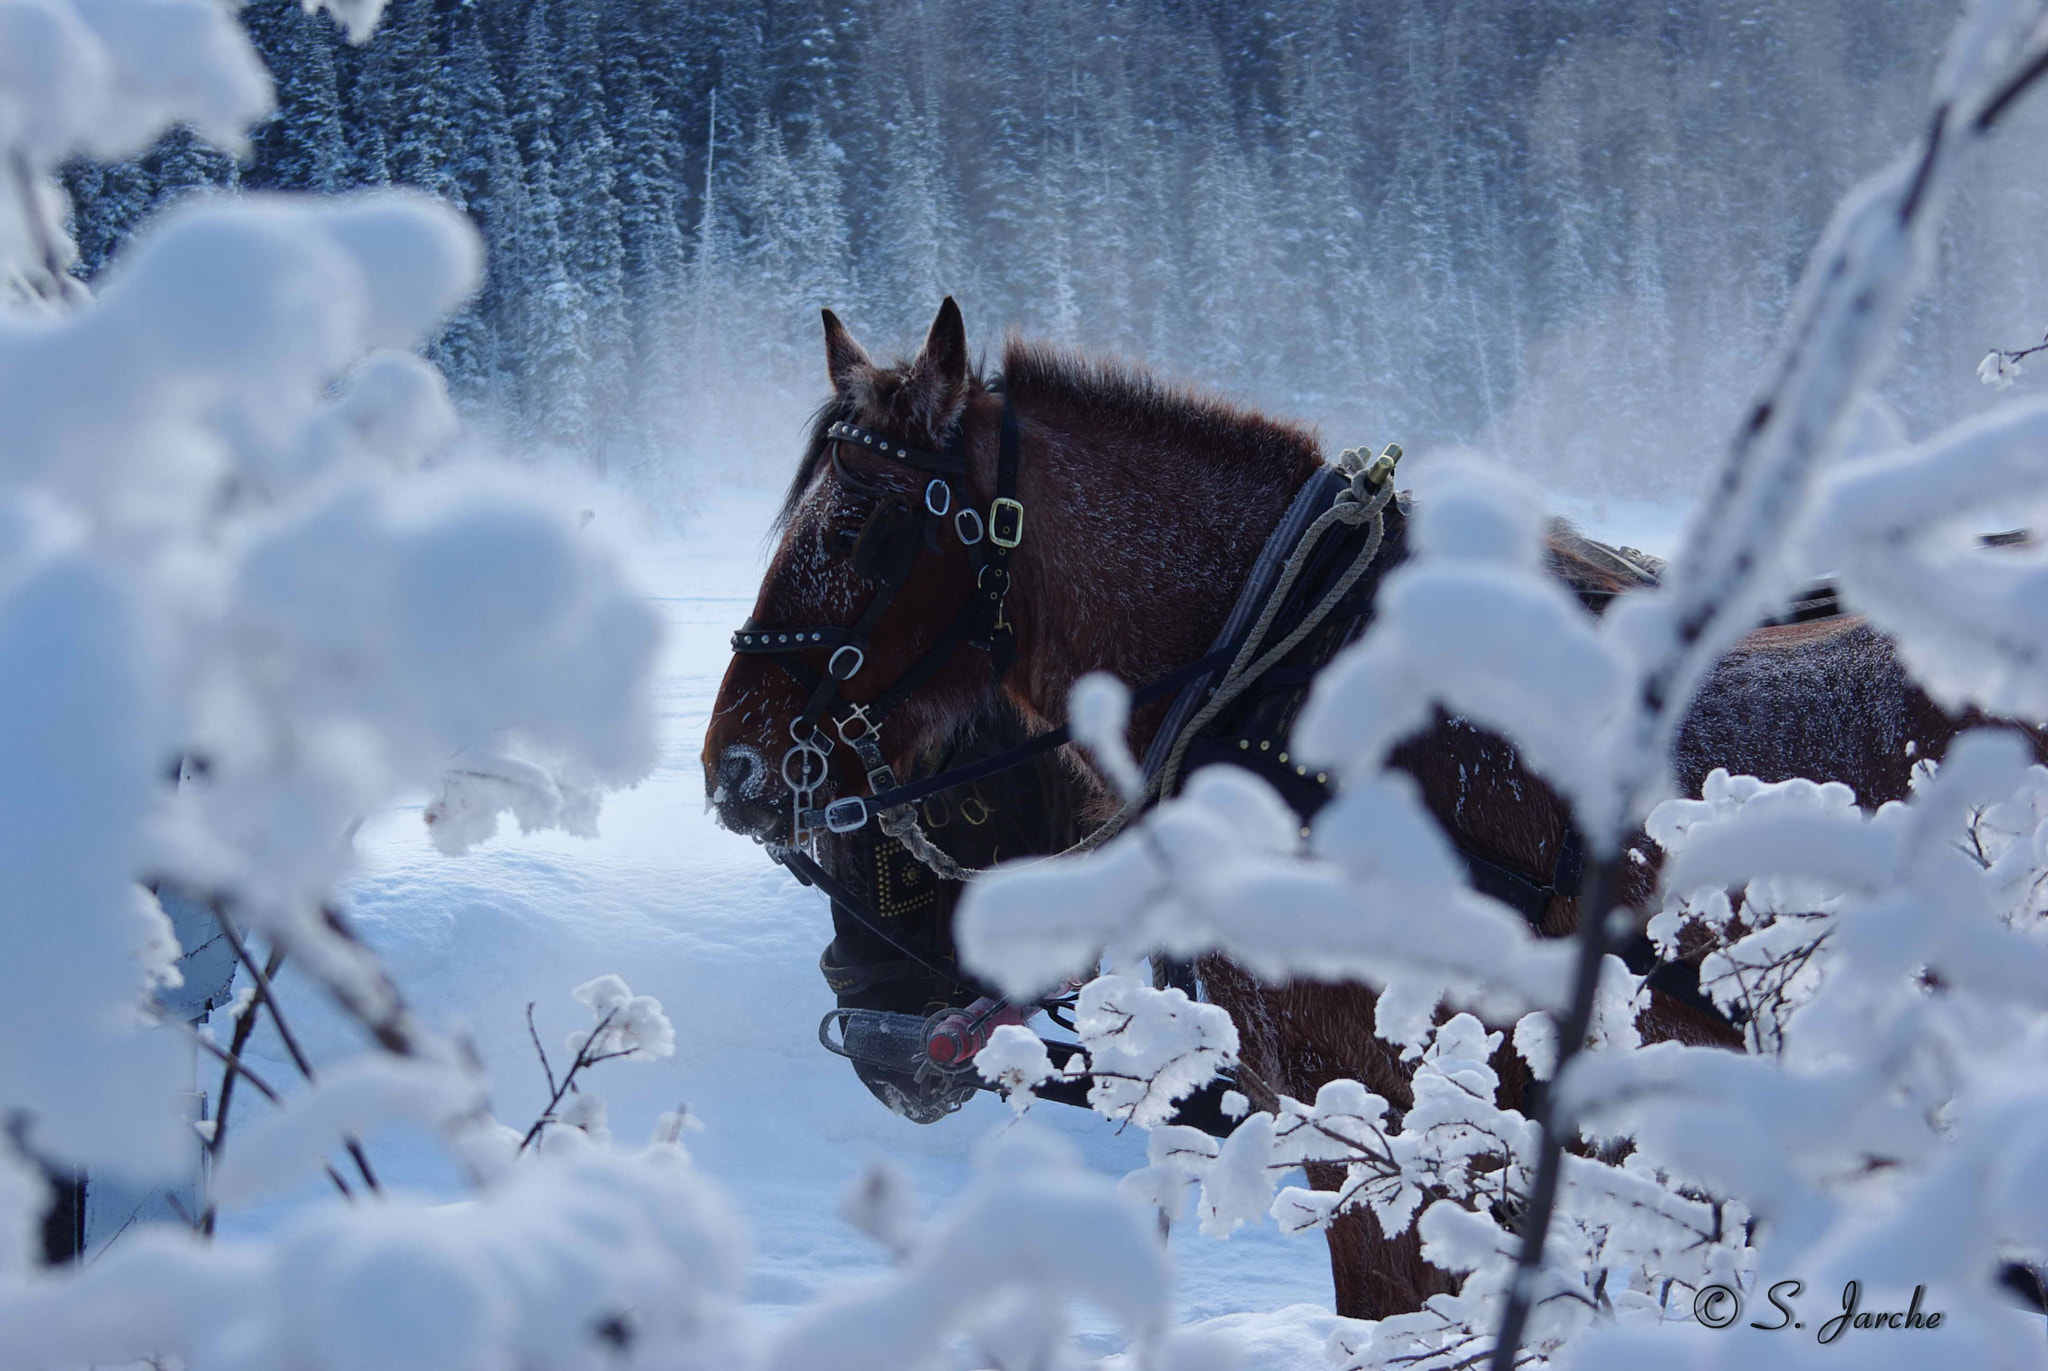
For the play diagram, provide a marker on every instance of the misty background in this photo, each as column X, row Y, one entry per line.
column 1565, row 230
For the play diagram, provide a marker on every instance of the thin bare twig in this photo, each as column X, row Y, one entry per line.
column 583, row 1059
column 2016, row 355
column 539, row 1051
column 235, row 1066
column 245, row 1028
column 218, row 904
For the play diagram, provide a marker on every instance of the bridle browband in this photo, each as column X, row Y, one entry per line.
column 884, row 552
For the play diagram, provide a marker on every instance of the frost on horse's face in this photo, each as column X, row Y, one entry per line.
column 843, row 492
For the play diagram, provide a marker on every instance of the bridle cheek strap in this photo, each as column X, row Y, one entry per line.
column 981, row 623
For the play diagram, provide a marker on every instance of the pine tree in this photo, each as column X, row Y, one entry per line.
column 183, row 163
column 652, row 258
column 590, row 227
column 303, row 145
column 108, row 202
column 550, row 327
column 489, row 182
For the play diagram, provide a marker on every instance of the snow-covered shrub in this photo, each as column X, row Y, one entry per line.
column 218, row 562
column 221, row 561
column 1889, row 967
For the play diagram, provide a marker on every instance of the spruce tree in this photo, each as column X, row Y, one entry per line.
column 182, row 163
column 590, row 227
column 303, row 145
column 489, row 183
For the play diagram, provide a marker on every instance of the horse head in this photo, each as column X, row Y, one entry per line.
column 846, row 661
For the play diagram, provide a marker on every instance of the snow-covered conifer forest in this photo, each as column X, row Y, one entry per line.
column 1485, row 220
column 378, row 995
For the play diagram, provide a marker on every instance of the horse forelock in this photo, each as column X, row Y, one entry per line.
column 874, row 397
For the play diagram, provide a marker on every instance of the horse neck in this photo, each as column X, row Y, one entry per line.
column 1134, row 552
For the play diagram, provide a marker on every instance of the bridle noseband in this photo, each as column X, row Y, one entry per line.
column 884, row 552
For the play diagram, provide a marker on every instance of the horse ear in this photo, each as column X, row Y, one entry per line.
column 938, row 378
column 843, row 356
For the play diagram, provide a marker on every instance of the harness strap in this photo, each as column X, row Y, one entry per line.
column 949, row 642
column 1680, row 980
column 919, row 791
column 992, row 631
column 947, row 463
column 809, row 872
column 980, row 623
column 825, row 694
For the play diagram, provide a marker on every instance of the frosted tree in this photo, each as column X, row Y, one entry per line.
column 593, row 255
column 653, row 264
column 108, row 199
column 1231, row 254
column 490, row 184
column 304, row 145
column 182, row 164
column 920, row 250
column 551, row 329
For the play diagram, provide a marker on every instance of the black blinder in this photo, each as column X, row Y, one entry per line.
column 888, row 543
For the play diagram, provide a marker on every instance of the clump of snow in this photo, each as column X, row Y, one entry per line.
column 1476, row 627
column 628, row 1025
column 643, row 1244
column 1099, row 712
column 1015, row 1061
column 1034, row 1233
column 1148, row 1048
column 1999, row 370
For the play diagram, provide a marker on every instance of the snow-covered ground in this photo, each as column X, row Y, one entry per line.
column 698, row 917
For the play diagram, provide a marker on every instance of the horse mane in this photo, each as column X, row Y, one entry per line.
column 1072, row 388
column 839, row 407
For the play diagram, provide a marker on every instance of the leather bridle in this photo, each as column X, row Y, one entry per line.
column 884, row 553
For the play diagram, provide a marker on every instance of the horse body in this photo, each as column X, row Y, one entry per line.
column 1146, row 510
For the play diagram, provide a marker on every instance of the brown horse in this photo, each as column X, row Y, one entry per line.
column 1147, row 509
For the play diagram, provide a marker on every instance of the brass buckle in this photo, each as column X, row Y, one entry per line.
column 1006, row 522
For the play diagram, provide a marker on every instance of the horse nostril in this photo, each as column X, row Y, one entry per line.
column 739, row 773
column 742, row 796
